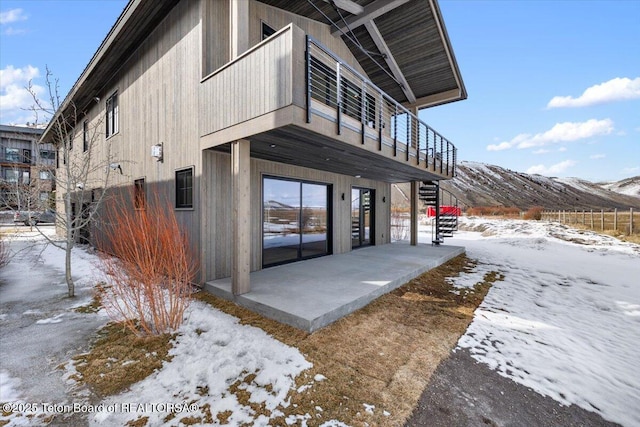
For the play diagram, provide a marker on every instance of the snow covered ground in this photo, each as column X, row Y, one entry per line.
column 565, row 321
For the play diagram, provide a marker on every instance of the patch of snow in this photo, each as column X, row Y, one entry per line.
column 565, row 320
column 55, row 319
column 368, row 408
column 319, row 377
column 8, row 387
column 214, row 350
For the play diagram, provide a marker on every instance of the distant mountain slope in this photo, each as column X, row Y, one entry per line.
column 479, row 184
column 629, row 186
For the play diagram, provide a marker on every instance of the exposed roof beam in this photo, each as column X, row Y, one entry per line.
column 371, row 12
column 372, row 28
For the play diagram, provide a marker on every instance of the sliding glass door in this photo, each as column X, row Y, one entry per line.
column 295, row 220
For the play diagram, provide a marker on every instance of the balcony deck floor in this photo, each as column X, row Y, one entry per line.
column 313, row 293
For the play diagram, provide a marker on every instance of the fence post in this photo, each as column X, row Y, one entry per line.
column 564, row 216
column 575, row 218
column 615, row 219
column 630, row 221
column 602, row 220
column 592, row 227
column 584, row 218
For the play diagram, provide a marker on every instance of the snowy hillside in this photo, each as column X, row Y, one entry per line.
column 629, row 186
column 479, row 184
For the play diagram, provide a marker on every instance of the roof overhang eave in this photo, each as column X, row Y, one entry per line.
column 123, row 20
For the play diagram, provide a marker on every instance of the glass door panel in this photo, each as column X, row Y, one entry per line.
column 296, row 219
column 314, row 220
column 281, row 221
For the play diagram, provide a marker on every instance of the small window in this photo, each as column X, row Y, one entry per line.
column 12, row 155
column 184, row 188
column 11, row 175
column 112, row 115
column 45, row 175
column 139, row 196
column 267, row 31
column 47, row 155
column 85, row 136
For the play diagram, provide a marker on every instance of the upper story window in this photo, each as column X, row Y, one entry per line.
column 184, row 188
column 47, row 155
column 12, row 155
column 85, row 136
column 267, row 31
column 111, row 119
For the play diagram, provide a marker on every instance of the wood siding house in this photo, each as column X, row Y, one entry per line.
column 276, row 134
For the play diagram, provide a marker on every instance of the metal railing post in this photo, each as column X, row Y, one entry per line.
column 363, row 97
column 395, row 131
column 408, row 137
column 339, row 98
column 380, row 121
column 308, row 76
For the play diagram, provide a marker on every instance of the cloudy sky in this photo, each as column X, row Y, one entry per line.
column 554, row 86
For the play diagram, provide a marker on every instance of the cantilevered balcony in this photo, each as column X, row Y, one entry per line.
column 299, row 103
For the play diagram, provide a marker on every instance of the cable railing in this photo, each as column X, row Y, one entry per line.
column 356, row 103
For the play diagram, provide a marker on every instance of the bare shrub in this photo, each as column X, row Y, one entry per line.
column 399, row 225
column 534, row 213
column 149, row 284
column 502, row 211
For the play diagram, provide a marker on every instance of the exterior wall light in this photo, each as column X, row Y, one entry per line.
column 157, row 152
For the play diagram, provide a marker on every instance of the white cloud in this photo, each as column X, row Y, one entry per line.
column 617, row 89
column 630, row 171
column 14, row 97
column 12, row 15
column 562, row 149
column 597, row 156
column 499, row 147
column 551, row 170
column 560, row 132
column 542, row 151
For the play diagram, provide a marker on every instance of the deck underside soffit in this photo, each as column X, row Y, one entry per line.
column 298, row 146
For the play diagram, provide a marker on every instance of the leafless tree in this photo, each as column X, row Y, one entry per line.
column 83, row 166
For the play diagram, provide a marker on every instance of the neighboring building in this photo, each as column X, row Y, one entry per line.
column 27, row 169
column 276, row 137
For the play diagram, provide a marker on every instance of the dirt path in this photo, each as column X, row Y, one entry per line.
column 463, row 392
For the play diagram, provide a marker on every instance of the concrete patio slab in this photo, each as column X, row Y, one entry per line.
column 314, row 293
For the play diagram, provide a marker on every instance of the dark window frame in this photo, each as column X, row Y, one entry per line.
column 139, row 194
column 112, row 116
column 266, row 30
column 85, row 136
column 184, row 190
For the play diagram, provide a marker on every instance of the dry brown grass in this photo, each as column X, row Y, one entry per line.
column 383, row 354
column 120, row 358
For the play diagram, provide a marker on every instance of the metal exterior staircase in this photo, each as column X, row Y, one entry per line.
column 446, row 217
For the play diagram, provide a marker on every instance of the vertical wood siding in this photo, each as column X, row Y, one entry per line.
column 218, row 207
